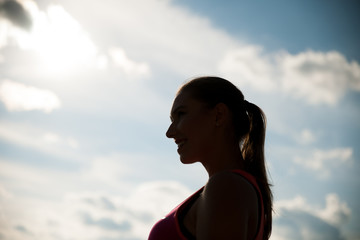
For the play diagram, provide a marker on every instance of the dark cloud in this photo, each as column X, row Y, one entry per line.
column 106, row 223
column 122, row 238
column 297, row 224
column 107, row 204
column 101, row 202
column 22, row 229
column 15, row 13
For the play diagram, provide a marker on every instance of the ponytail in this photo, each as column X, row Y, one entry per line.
column 254, row 158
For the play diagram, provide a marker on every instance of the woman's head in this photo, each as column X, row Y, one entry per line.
column 214, row 90
column 192, row 127
column 207, row 114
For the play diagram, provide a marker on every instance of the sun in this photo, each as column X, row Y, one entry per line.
column 59, row 40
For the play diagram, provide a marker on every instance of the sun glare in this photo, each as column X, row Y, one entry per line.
column 59, row 40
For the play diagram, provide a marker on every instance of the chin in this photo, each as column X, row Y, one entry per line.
column 187, row 160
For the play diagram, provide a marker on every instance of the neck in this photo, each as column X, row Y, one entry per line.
column 224, row 159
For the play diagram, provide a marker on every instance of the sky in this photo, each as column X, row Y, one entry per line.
column 86, row 89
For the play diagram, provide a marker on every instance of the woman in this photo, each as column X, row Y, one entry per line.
column 214, row 125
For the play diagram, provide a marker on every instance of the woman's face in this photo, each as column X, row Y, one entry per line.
column 192, row 128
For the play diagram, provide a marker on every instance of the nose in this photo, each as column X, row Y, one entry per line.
column 170, row 133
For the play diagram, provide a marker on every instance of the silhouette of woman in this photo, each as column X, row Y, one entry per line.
column 211, row 123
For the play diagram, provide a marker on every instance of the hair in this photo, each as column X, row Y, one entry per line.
column 249, row 124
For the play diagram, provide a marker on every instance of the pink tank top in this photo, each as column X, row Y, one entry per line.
column 168, row 228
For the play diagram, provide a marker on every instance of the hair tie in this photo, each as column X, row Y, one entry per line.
column 246, row 104
column 246, row 107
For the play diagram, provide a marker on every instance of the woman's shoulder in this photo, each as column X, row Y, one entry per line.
column 230, row 190
column 229, row 182
column 227, row 202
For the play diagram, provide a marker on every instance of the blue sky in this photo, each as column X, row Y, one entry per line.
column 294, row 26
column 85, row 95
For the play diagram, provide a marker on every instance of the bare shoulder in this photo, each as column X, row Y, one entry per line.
column 229, row 206
column 230, row 183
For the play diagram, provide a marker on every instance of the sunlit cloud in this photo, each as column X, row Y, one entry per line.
column 49, row 142
column 175, row 41
column 248, row 65
column 315, row 77
column 102, row 62
column 56, row 37
column 4, row 194
column 53, row 138
column 325, row 161
column 128, row 66
column 60, row 40
column 20, row 97
column 108, row 169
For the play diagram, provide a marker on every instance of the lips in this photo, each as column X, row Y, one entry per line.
column 180, row 143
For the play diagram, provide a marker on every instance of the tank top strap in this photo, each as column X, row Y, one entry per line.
column 252, row 180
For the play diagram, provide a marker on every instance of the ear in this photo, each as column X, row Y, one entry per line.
column 222, row 114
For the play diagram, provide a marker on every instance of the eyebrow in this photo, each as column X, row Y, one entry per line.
column 176, row 110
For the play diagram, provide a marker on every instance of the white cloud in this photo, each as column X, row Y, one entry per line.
column 20, row 97
column 298, row 202
column 69, row 210
column 102, row 62
column 323, row 162
column 72, row 142
column 60, row 49
column 56, row 37
column 159, row 197
column 108, row 169
column 126, row 217
column 305, row 137
column 249, row 66
column 3, row 194
column 176, row 43
column 48, row 142
column 316, row 77
column 61, row 45
column 169, row 36
column 335, row 212
column 51, row 138
column 128, row 66
column 297, row 219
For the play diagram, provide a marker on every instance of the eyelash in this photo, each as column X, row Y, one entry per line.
column 178, row 115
